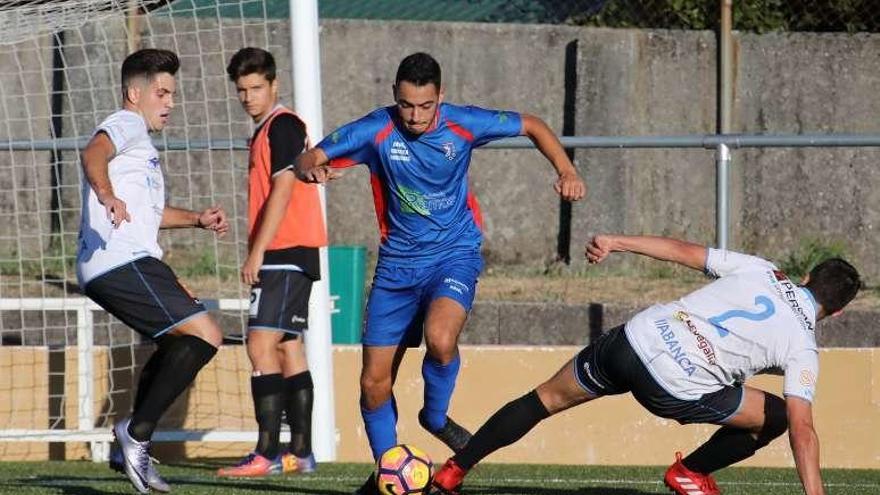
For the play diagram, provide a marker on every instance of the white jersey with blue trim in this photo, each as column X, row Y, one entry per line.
column 751, row 320
column 136, row 176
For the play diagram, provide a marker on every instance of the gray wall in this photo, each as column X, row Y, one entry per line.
column 629, row 82
column 488, row 65
column 632, row 82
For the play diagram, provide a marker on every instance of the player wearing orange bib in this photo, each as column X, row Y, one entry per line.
column 285, row 230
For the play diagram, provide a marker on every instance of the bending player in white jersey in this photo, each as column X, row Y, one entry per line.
column 119, row 259
column 687, row 360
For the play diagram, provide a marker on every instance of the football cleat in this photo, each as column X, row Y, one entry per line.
column 252, row 466
column 117, row 463
column 448, row 480
column 291, row 464
column 682, row 481
column 452, row 434
column 135, row 456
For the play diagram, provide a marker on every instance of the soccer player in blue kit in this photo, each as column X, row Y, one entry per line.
column 418, row 152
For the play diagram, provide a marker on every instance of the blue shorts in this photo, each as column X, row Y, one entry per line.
column 400, row 298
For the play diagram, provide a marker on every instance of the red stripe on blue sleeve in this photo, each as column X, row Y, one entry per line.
column 384, row 133
column 343, row 162
column 459, row 130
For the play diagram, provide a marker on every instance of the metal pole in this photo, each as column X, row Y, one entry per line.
column 725, row 98
column 703, row 141
column 305, row 50
column 133, row 25
column 722, row 202
column 725, row 106
column 85, row 396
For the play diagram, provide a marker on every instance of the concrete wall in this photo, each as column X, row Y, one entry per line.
column 632, row 82
column 489, row 65
column 626, row 82
column 490, row 377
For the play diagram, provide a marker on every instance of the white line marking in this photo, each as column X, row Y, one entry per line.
column 484, row 481
column 479, row 482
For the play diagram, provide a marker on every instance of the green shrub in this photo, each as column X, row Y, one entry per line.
column 810, row 253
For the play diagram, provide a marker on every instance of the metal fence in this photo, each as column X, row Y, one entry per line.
column 723, row 144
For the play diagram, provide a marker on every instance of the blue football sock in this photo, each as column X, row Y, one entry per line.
column 381, row 426
column 439, row 384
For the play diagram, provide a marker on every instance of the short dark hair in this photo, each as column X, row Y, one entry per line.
column 419, row 69
column 251, row 60
column 834, row 283
column 147, row 63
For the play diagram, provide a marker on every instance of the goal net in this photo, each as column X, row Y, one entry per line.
column 67, row 369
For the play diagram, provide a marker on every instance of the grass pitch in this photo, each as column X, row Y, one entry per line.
column 197, row 478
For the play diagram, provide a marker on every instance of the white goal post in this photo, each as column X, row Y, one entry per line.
column 60, row 78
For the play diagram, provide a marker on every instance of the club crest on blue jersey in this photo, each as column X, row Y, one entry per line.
column 449, row 150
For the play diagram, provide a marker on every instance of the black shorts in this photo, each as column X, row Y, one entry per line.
column 145, row 295
column 280, row 302
column 610, row 366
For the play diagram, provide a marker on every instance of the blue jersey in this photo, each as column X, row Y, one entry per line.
column 426, row 212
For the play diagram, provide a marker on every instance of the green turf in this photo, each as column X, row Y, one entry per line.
column 196, row 477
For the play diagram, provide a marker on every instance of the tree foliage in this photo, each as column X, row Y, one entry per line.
column 748, row 15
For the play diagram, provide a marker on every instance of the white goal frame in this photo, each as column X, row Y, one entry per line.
column 99, row 438
column 306, row 82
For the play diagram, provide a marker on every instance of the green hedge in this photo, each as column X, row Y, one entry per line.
column 748, row 15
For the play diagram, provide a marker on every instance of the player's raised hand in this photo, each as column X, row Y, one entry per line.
column 117, row 211
column 250, row 270
column 598, row 249
column 214, row 218
column 570, row 186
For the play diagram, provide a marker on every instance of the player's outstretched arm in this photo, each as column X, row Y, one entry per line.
column 662, row 248
column 313, row 166
column 213, row 218
column 569, row 184
column 804, row 444
column 96, row 161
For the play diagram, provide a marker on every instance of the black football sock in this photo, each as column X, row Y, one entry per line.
column 727, row 446
column 506, row 426
column 268, row 393
column 298, row 399
column 150, row 370
column 181, row 361
column 730, row 445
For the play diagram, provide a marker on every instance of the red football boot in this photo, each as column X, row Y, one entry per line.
column 448, row 480
column 683, row 481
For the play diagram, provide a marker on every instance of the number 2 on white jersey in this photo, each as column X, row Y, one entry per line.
column 763, row 301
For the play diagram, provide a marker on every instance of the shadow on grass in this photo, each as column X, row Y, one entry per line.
column 85, row 485
column 532, row 490
column 220, row 486
column 65, row 485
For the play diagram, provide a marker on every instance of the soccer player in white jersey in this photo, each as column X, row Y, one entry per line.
column 119, row 259
column 687, row 360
